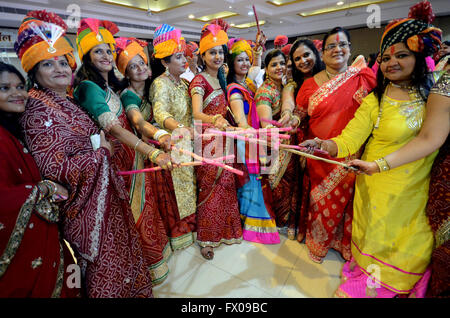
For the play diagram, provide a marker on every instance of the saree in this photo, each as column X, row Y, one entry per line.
column 391, row 239
column 34, row 258
column 328, row 202
column 106, row 108
column 438, row 209
column 283, row 177
column 254, row 196
column 218, row 218
column 171, row 100
column 96, row 218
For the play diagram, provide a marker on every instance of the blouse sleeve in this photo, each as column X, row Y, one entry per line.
column 197, row 86
column 92, row 98
column 263, row 97
column 160, row 96
column 130, row 100
column 359, row 128
column 442, row 87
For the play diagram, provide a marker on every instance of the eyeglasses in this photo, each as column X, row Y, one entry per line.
column 342, row 45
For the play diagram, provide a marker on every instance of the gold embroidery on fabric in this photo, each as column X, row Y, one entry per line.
column 197, row 90
column 211, row 96
column 328, row 184
column 60, row 275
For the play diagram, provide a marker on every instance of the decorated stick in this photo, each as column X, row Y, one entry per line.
column 307, row 155
column 184, row 164
column 323, row 152
column 256, row 18
column 271, row 121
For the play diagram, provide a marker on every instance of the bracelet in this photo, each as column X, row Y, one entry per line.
column 382, row 164
column 297, row 118
column 215, row 117
column 159, row 134
column 51, row 186
column 40, row 192
column 258, row 51
column 137, row 143
column 155, row 154
column 286, row 111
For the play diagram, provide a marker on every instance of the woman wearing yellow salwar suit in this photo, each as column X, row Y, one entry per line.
column 392, row 241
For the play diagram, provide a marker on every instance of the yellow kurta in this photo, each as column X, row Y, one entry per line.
column 390, row 228
column 173, row 101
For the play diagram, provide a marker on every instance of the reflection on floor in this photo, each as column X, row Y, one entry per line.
column 251, row 270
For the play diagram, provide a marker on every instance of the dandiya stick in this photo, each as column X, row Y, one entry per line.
column 256, row 18
column 323, row 152
column 307, row 155
column 184, row 164
column 210, row 161
column 271, row 121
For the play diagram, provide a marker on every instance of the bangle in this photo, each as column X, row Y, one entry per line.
column 155, row 153
column 215, row 117
column 51, row 186
column 137, row 143
column 382, row 164
column 159, row 134
column 297, row 118
column 258, row 51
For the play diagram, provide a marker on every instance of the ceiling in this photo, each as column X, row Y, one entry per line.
column 279, row 16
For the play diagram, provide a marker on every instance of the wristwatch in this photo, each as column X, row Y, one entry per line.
column 180, row 126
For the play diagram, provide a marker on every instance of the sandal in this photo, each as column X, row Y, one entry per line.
column 207, row 252
column 314, row 258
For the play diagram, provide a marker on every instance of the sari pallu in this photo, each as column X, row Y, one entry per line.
column 330, row 202
column 254, row 195
column 283, row 177
column 33, row 259
column 106, row 109
column 97, row 219
column 218, row 218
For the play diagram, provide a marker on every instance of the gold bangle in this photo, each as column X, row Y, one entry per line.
column 51, row 186
column 382, row 164
column 296, row 117
column 155, row 154
column 215, row 117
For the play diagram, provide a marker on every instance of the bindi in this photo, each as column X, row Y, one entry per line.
column 392, row 50
column 337, row 37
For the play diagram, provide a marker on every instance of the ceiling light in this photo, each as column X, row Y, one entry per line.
column 336, row 8
column 230, row 7
column 340, row 3
column 191, row 16
column 232, row 24
column 250, row 13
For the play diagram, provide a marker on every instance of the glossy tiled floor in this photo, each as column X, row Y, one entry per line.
column 251, row 270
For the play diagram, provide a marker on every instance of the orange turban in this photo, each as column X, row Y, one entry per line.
column 212, row 35
column 93, row 32
column 41, row 36
column 127, row 49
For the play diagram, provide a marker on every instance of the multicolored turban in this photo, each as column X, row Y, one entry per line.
column 93, row 32
column 168, row 41
column 238, row 45
column 191, row 49
column 318, row 44
column 127, row 49
column 213, row 34
column 41, row 36
column 415, row 31
column 280, row 40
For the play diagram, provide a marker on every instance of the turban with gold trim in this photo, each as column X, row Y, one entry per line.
column 415, row 31
column 213, row 34
column 93, row 32
column 127, row 49
column 168, row 41
column 41, row 36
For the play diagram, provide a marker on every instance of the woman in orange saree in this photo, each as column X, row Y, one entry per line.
column 328, row 101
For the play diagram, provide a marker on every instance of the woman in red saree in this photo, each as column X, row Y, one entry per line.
column 330, row 99
column 95, row 91
column 97, row 220
column 34, row 260
column 218, row 218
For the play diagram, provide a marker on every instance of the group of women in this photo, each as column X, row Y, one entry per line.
column 77, row 148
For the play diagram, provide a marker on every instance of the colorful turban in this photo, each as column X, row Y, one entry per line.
column 168, row 41
column 415, row 31
column 93, row 32
column 280, row 40
column 286, row 49
column 41, row 36
column 318, row 44
column 128, row 48
column 237, row 46
column 191, row 49
column 213, row 34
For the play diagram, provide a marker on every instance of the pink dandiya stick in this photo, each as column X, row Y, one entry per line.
column 271, row 121
column 211, row 162
column 264, row 130
column 256, row 18
column 323, row 152
column 184, row 164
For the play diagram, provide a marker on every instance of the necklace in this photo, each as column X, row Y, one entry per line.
column 172, row 78
column 330, row 76
column 407, row 87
